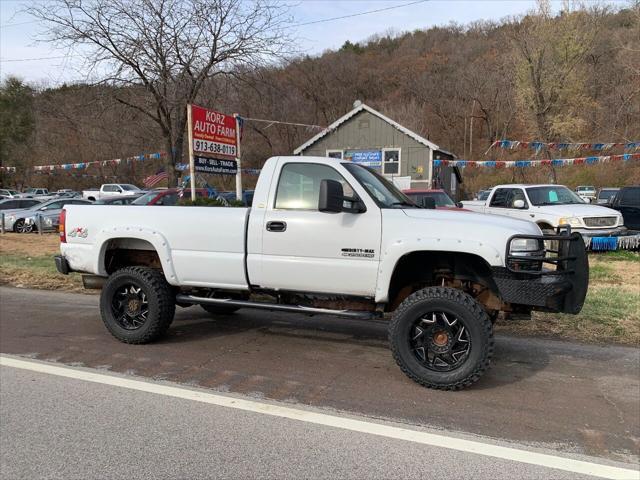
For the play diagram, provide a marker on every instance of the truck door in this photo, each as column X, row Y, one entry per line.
column 629, row 206
column 503, row 203
column 304, row 249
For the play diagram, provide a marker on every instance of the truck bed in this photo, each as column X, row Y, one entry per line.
column 192, row 242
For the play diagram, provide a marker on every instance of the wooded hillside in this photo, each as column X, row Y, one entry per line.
column 573, row 77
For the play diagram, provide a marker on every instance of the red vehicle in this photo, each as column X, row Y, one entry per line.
column 442, row 200
column 169, row 196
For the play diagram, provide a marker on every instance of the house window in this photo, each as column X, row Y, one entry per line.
column 391, row 161
column 335, row 154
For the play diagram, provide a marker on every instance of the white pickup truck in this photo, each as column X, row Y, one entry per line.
column 109, row 190
column 550, row 207
column 326, row 236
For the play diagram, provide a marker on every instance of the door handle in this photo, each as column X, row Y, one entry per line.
column 276, row 226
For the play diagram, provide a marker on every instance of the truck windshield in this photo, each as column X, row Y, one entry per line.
column 383, row 192
column 553, row 195
column 129, row 187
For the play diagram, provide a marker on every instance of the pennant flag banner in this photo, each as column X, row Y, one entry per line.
column 537, row 146
column 104, row 163
column 559, row 162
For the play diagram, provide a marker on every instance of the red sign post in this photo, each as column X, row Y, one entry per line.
column 212, row 134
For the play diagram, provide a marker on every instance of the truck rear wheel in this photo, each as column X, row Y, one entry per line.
column 137, row 304
column 441, row 338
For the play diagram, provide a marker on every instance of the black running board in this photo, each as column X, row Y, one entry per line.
column 276, row 307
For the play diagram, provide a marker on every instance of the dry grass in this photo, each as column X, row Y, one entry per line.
column 611, row 312
column 26, row 261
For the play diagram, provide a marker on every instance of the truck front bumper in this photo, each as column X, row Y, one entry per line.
column 604, row 232
column 554, row 281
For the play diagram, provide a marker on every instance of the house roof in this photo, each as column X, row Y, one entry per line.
column 359, row 108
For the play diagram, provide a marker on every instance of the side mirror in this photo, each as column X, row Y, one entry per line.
column 587, row 200
column 331, row 196
column 429, row 202
column 459, row 204
column 518, row 204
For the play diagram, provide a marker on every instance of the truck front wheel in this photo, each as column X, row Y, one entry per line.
column 137, row 304
column 441, row 338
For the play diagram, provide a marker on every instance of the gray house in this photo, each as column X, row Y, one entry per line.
column 368, row 137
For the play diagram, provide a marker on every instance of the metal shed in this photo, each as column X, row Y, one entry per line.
column 366, row 136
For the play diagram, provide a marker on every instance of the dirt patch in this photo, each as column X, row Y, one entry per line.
column 30, row 244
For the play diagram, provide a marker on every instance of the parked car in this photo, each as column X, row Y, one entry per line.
column 606, row 195
column 627, row 202
column 440, row 198
column 551, row 206
column 9, row 193
column 168, row 196
column 327, row 237
column 121, row 200
column 18, row 203
column 66, row 193
column 42, row 193
column 15, row 221
column 49, row 217
column 247, row 197
column 111, row 190
column 587, row 192
column 482, row 195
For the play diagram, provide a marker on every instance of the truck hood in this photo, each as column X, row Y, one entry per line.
column 472, row 223
column 576, row 210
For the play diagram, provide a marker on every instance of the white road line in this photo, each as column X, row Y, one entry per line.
column 441, row 441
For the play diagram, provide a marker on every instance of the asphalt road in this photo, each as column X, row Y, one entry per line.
column 55, row 427
column 564, row 397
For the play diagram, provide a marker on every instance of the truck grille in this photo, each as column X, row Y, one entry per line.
column 600, row 221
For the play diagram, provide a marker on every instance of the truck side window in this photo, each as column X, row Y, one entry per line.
column 630, row 196
column 299, row 185
column 501, row 198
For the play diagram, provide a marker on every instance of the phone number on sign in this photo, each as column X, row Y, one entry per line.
column 214, row 147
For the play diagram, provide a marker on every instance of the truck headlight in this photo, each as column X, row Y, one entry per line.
column 524, row 246
column 573, row 221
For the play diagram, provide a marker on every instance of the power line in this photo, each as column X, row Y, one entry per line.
column 7, row 25
column 271, row 122
column 35, row 59
column 359, row 14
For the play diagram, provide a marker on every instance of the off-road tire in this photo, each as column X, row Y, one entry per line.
column 474, row 318
column 219, row 309
column 159, row 295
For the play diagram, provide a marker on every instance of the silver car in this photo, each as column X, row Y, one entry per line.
column 16, row 221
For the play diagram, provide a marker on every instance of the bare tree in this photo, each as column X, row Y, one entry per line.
column 550, row 55
column 166, row 49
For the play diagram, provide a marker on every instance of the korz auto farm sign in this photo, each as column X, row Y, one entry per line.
column 213, row 133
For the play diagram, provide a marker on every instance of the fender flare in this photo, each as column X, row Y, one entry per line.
column 155, row 238
column 398, row 248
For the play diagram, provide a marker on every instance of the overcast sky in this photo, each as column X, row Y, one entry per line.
column 18, row 31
